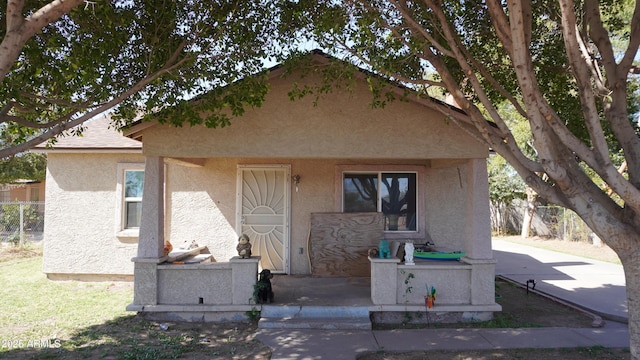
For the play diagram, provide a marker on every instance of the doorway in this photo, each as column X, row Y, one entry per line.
column 263, row 202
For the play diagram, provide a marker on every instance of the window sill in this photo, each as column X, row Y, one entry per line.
column 403, row 235
column 128, row 233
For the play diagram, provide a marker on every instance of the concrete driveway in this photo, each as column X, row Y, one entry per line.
column 591, row 284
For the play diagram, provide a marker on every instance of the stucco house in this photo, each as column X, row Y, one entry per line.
column 90, row 233
column 314, row 186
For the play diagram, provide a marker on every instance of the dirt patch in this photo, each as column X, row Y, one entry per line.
column 9, row 251
column 132, row 337
column 520, row 308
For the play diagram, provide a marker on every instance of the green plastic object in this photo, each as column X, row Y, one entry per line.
column 438, row 255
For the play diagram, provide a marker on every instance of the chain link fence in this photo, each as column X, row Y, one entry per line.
column 552, row 222
column 21, row 222
column 563, row 224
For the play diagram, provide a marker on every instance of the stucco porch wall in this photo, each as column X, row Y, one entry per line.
column 461, row 286
column 195, row 284
column 194, row 292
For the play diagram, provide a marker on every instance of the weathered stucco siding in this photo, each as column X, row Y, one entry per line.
column 446, row 199
column 201, row 205
column 343, row 125
column 80, row 216
column 202, row 202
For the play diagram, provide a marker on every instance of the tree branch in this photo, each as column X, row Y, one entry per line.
column 583, row 74
column 66, row 125
column 78, row 106
column 614, row 103
column 461, row 55
column 626, row 63
column 35, row 125
column 20, row 30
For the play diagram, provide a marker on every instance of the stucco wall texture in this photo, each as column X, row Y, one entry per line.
column 202, row 201
column 342, row 125
column 80, row 235
column 342, row 130
column 313, row 140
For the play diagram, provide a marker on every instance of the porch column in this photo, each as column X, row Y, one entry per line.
column 478, row 232
column 151, row 237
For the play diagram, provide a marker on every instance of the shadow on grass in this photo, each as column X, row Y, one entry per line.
column 132, row 337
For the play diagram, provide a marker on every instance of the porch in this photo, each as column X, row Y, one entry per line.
column 348, row 286
column 292, row 290
column 393, row 294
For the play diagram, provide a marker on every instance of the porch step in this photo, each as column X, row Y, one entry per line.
column 315, row 317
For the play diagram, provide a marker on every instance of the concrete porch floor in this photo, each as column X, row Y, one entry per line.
column 316, row 291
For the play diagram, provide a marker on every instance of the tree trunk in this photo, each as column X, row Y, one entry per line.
column 529, row 212
column 631, row 264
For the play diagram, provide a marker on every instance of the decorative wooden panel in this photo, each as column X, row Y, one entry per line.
column 339, row 242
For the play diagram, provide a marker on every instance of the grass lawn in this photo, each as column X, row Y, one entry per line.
column 44, row 309
column 43, row 319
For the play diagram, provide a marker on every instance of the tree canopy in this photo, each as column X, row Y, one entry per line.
column 553, row 62
column 567, row 67
column 66, row 61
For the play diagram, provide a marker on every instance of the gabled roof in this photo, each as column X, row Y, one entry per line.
column 135, row 129
column 98, row 136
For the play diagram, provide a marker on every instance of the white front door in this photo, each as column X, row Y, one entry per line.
column 263, row 213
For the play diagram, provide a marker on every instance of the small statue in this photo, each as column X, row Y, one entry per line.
column 167, row 248
column 408, row 253
column 244, row 247
column 384, row 251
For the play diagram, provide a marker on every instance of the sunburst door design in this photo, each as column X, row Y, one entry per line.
column 263, row 207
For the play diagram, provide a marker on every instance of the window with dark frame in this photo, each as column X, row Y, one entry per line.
column 392, row 193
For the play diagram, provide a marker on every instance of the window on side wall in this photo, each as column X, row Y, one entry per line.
column 130, row 185
column 395, row 193
column 133, row 184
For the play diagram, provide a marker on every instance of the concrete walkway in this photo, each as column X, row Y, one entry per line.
column 596, row 286
column 338, row 344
